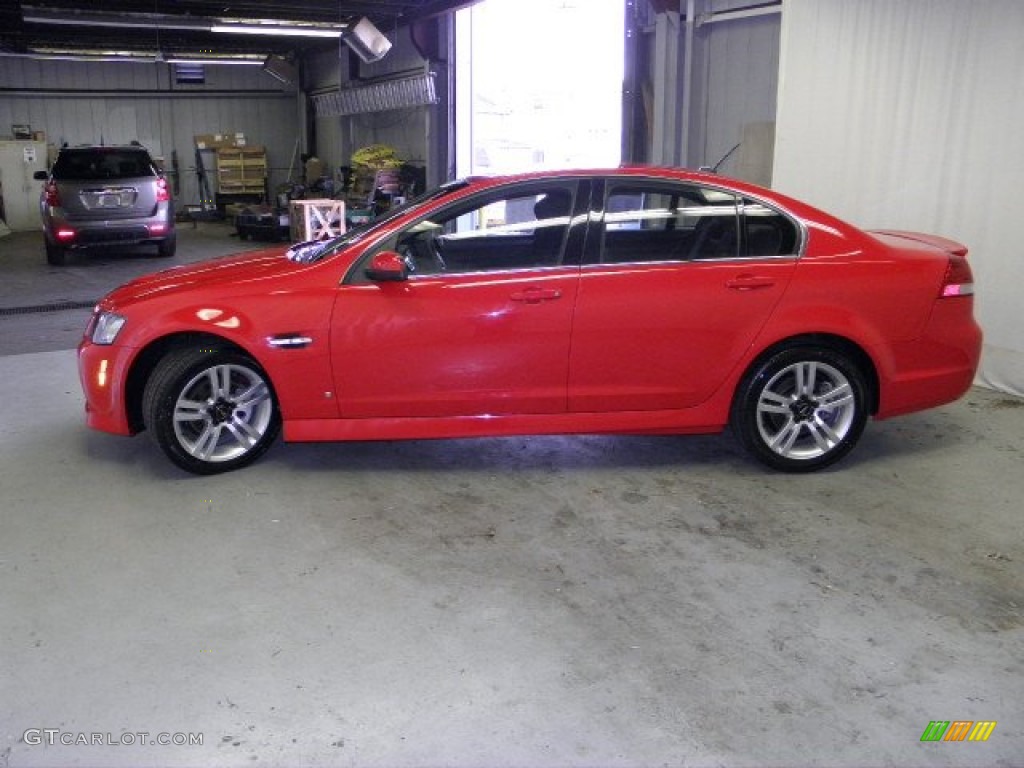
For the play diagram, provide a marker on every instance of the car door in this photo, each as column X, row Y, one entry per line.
column 677, row 282
column 481, row 326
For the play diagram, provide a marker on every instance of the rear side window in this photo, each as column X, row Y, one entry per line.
column 769, row 233
column 102, row 163
column 654, row 220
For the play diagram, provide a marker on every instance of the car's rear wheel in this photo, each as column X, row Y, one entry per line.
column 210, row 410
column 166, row 248
column 801, row 409
column 55, row 254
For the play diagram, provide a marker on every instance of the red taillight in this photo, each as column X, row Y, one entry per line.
column 157, row 229
column 163, row 194
column 64, row 234
column 959, row 280
column 52, row 195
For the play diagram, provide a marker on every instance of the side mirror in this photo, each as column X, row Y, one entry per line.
column 40, row 175
column 388, row 266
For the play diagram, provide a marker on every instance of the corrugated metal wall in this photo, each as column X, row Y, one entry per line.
column 735, row 84
column 732, row 87
column 85, row 102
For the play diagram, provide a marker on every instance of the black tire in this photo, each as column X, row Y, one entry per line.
column 55, row 254
column 224, row 432
column 166, row 248
column 801, row 408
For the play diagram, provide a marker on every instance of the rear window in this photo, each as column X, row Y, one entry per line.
column 102, row 163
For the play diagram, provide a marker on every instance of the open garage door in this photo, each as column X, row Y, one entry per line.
column 539, row 85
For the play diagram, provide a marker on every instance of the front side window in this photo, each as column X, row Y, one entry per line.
column 521, row 229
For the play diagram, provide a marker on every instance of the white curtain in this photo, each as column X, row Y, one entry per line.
column 909, row 114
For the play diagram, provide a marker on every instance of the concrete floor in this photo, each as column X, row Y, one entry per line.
column 514, row 602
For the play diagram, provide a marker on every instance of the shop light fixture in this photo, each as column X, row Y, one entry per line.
column 133, row 57
column 212, row 60
column 277, row 29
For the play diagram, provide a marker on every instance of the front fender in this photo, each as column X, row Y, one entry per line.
column 300, row 373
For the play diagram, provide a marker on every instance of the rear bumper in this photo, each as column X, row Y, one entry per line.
column 87, row 233
column 937, row 368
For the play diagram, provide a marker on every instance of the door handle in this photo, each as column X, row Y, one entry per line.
column 536, row 295
column 749, row 282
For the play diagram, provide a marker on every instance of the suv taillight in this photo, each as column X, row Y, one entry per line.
column 52, row 195
column 163, row 194
column 959, row 280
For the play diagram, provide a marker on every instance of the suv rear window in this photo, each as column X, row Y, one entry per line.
column 102, row 163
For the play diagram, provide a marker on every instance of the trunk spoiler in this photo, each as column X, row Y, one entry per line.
column 951, row 247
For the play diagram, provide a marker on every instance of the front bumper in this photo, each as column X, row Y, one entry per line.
column 103, row 371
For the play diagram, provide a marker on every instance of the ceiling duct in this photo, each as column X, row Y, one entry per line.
column 367, row 41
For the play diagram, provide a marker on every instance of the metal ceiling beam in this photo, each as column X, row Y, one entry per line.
column 68, row 17
column 71, row 18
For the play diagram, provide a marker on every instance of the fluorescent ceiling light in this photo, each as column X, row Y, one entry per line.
column 213, row 60
column 81, row 54
column 81, row 57
column 278, row 30
column 134, row 57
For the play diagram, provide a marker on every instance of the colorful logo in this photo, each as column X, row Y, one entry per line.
column 958, row 730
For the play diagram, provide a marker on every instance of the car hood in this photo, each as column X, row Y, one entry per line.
column 234, row 270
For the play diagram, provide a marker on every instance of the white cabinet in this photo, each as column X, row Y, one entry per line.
column 18, row 161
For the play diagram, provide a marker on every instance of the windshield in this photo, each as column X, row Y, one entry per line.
column 315, row 250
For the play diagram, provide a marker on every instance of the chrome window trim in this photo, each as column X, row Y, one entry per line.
column 680, row 262
column 510, row 271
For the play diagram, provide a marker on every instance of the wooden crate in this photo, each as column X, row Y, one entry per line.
column 241, row 170
column 316, row 219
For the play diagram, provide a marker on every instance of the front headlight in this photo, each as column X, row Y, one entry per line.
column 105, row 327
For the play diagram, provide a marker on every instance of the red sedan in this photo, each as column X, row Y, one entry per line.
column 634, row 300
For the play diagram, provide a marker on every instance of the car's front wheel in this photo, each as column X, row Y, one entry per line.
column 801, row 409
column 210, row 410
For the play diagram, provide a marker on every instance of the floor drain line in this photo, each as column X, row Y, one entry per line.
column 59, row 306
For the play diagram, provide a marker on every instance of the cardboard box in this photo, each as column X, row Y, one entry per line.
column 219, row 140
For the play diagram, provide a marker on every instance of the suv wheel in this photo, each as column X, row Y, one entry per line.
column 165, row 248
column 55, row 254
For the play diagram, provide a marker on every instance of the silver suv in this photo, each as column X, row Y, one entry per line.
column 102, row 196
